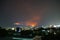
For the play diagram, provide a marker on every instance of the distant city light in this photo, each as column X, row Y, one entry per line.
column 54, row 32
column 17, row 23
column 50, row 25
column 48, row 31
column 55, row 26
column 13, row 28
column 33, row 25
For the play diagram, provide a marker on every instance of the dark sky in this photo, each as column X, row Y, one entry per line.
column 40, row 12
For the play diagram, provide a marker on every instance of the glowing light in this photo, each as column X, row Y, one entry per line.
column 17, row 23
column 13, row 28
column 54, row 33
column 48, row 31
column 55, row 26
column 33, row 25
column 50, row 25
column 33, row 21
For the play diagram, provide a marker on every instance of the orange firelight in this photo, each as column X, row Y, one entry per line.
column 17, row 23
column 32, row 24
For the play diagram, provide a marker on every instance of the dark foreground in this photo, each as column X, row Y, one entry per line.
column 46, row 34
column 14, row 38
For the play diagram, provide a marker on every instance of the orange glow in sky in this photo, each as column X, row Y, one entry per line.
column 33, row 21
column 17, row 23
column 32, row 24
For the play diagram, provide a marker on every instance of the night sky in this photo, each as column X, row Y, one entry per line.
column 27, row 12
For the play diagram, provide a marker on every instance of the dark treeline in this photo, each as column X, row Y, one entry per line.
column 47, row 34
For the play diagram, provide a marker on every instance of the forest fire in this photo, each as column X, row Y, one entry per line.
column 33, row 21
